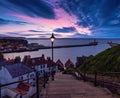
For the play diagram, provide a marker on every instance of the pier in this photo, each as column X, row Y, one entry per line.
column 70, row 46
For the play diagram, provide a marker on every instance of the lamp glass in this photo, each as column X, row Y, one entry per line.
column 52, row 39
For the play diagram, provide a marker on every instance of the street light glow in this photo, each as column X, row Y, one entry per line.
column 52, row 38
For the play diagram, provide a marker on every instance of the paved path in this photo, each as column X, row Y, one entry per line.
column 66, row 86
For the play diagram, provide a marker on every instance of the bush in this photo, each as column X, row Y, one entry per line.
column 69, row 71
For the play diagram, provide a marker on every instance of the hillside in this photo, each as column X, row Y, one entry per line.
column 106, row 61
column 9, row 40
column 13, row 44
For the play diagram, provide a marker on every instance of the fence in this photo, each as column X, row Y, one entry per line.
column 110, row 80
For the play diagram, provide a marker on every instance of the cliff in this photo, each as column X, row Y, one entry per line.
column 106, row 61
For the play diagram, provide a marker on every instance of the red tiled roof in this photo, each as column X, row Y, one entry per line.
column 69, row 63
column 27, row 84
column 20, row 91
column 22, row 88
column 10, row 60
column 59, row 63
column 36, row 61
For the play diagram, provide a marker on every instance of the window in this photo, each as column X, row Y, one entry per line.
column 41, row 71
column 33, row 61
column 43, row 66
column 21, row 78
column 31, row 75
column 27, row 75
column 33, row 67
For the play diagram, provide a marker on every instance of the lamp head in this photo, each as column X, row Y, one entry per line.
column 52, row 38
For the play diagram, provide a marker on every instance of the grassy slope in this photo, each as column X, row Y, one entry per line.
column 106, row 61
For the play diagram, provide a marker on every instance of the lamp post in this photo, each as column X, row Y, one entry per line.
column 52, row 38
column 37, row 84
column 0, row 89
column 20, row 95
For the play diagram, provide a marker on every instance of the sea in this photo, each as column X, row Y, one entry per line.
column 67, row 53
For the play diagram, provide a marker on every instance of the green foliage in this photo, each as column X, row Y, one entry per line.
column 106, row 61
column 69, row 70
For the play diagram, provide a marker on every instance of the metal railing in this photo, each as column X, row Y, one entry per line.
column 102, row 79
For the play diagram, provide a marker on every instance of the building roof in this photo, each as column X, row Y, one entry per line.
column 10, row 60
column 69, row 63
column 36, row 61
column 18, row 69
column 23, row 88
column 3, row 63
column 59, row 63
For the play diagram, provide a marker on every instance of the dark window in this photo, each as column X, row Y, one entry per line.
column 43, row 66
column 21, row 78
column 31, row 75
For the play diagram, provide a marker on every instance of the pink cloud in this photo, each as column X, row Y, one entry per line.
column 63, row 19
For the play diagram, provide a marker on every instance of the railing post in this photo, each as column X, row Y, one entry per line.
column 0, row 90
column 95, row 80
column 37, row 84
column 20, row 95
column 52, row 75
column 47, row 76
column 84, row 76
column 44, row 79
column 78, row 75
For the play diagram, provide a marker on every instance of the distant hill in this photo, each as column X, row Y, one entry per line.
column 106, row 61
column 13, row 40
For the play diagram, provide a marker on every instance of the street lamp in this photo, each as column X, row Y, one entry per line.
column 52, row 38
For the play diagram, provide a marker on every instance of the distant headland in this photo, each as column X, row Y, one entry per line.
column 17, row 44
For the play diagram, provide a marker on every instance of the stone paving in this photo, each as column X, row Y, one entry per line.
column 66, row 86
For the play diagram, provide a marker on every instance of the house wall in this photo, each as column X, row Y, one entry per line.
column 41, row 68
column 31, row 75
column 23, row 77
column 3, row 91
column 8, row 90
column 56, row 68
column 5, row 77
column 50, row 70
column 46, row 68
column 32, row 90
column 11, row 93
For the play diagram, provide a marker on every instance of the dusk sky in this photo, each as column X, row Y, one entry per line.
column 64, row 18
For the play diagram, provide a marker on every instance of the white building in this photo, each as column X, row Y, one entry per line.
column 39, row 64
column 17, row 72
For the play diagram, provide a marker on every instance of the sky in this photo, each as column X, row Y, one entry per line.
column 64, row 18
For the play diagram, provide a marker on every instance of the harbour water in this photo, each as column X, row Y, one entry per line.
column 66, row 53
